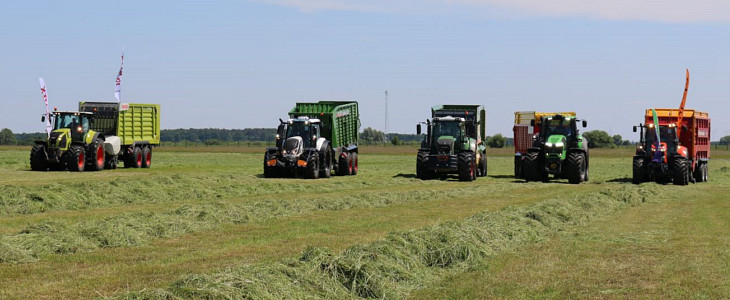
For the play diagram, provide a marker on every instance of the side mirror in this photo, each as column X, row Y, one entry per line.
column 418, row 129
column 585, row 123
column 634, row 128
column 532, row 122
column 43, row 118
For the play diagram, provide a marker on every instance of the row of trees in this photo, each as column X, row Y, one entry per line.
column 596, row 138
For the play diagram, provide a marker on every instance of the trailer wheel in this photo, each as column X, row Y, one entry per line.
column 343, row 165
column 705, row 170
column 38, row 158
column 146, row 157
column 312, row 167
column 75, row 159
column 531, row 169
column 354, row 162
column 96, row 156
column 638, row 171
column 679, row 171
column 466, row 166
column 576, row 164
column 137, row 157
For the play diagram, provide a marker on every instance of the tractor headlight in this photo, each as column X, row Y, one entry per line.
column 549, row 144
column 79, row 129
column 559, row 144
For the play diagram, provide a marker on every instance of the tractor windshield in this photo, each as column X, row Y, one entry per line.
column 446, row 128
column 558, row 127
column 666, row 134
column 300, row 129
column 71, row 121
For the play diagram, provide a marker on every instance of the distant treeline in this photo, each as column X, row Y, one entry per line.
column 216, row 134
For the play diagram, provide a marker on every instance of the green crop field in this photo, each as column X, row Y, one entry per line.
column 204, row 223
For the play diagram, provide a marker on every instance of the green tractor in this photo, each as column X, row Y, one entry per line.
column 71, row 145
column 558, row 149
column 453, row 143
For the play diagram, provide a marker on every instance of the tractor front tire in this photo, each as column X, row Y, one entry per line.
column 312, row 167
column 326, row 169
column 680, row 171
column 467, row 168
column 38, row 158
column 75, row 158
column 576, row 164
column 96, row 156
column 639, row 171
column 422, row 166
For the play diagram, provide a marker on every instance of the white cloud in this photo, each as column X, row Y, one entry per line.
column 671, row 11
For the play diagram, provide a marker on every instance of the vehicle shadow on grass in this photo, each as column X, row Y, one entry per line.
column 403, row 175
column 620, row 180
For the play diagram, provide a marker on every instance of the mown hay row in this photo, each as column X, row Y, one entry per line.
column 133, row 229
column 404, row 261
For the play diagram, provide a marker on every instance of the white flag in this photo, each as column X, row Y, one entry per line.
column 118, row 87
column 48, row 111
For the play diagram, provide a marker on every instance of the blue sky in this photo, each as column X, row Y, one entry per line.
column 239, row 64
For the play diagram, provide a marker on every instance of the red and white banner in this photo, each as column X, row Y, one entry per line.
column 48, row 111
column 118, row 87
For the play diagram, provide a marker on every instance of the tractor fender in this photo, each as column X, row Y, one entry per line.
column 682, row 150
column 320, row 143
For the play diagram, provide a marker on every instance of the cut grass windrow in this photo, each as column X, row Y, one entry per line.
column 403, row 261
column 133, row 229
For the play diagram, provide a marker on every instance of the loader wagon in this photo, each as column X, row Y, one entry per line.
column 135, row 126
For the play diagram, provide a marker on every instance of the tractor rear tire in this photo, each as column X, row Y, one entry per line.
column 96, row 156
column 531, row 168
column 38, row 158
column 326, row 169
column 483, row 165
column 146, row 157
column 312, row 167
column 576, row 164
column 680, row 171
column 354, row 163
column 638, row 171
column 467, row 166
column 422, row 166
column 75, row 158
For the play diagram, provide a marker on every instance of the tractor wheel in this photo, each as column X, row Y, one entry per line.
column 312, row 167
column 518, row 167
column 38, row 158
column 576, row 164
column 680, row 171
column 146, row 157
column 343, row 166
column 639, row 172
column 75, row 158
column 137, row 157
column 354, row 163
column 269, row 172
column 466, row 166
column 531, row 169
column 326, row 159
column 483, row 165
column 96, row 156
column 422, row 166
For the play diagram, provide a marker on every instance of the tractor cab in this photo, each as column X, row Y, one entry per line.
column 446, row 132
column 296, row 134
column 556, row 133
column 668, row 140
column 76, row 122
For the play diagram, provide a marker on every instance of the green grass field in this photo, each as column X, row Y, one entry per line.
column 204, row 223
